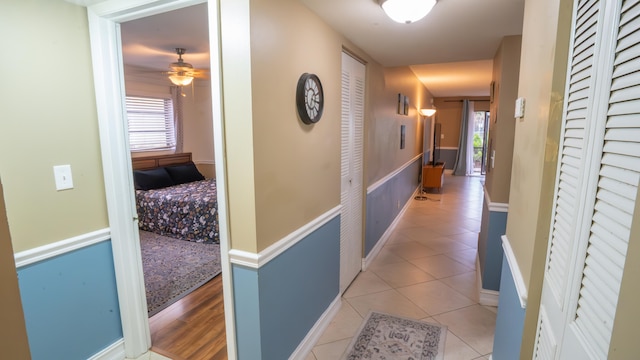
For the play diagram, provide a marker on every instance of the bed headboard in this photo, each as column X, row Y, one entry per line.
column 150, row 162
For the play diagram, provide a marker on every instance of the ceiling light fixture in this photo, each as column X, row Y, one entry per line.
column 180, row 79
column 181, row 72
column 427, row 112
column 407, row 11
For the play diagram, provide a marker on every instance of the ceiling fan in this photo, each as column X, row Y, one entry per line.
column 182, row 73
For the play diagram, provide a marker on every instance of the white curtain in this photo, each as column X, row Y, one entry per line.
column 464, row 160
column 176, row 96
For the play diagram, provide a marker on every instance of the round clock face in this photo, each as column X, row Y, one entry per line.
column 309, row 98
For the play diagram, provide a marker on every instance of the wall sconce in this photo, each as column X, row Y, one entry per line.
column 427, row 112
column 407, row 11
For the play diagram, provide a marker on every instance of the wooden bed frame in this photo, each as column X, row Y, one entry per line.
column 151, row 162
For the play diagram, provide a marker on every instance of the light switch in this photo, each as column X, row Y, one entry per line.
column 62, row 174
column 493, row 158
column 441, row 136
column 519, row 108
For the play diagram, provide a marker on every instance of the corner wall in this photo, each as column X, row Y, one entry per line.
column 545, row 42
column 284, row 175
column 506, row 67
column 49, row 118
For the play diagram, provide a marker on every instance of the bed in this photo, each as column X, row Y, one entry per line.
column 173, row 199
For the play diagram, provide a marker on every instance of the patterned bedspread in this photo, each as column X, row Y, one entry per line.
column 187, row 211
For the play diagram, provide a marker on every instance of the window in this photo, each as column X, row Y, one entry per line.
column 151, row 124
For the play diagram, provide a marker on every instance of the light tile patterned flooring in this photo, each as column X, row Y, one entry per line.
column 425, row 271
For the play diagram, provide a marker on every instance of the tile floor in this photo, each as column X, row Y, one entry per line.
column 425, row 271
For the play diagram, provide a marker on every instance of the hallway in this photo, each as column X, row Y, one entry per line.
column 425, row 271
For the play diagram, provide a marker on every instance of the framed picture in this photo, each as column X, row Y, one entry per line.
column 406, row 106
column 492, row 89
column 402, row 135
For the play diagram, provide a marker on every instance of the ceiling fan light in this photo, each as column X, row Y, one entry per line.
column 181, row 80
column 407, row 11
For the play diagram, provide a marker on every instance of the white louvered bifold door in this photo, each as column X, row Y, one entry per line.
column 578, row 105
column 609, row 173
column 353, row 77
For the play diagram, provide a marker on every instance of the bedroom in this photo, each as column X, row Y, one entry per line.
column 180, row 253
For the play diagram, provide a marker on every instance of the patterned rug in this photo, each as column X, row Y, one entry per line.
column 386, row 337
column 173, row 268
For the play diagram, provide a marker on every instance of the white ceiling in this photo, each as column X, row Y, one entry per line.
column 450, row 50
column 150, row 42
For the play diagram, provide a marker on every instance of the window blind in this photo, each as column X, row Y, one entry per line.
column 150, row 122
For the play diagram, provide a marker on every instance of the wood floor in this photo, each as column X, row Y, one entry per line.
column 193, row 327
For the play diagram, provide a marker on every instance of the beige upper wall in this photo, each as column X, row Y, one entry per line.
column 449, row 114
column 535, row 85
column 297, row 166
column 383, row 123
column 542, row 78
column 506, row 66
column 49, row 118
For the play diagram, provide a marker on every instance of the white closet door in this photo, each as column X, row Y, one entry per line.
column 351, row 239
column 596, row 193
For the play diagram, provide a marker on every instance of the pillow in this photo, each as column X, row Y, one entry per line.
column 152, row 179
column 181, row 174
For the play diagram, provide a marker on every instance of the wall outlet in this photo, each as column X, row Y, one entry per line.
column 441, row 136
column 398, row 205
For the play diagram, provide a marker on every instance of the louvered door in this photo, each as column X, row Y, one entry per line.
column 353, row 77
column 598, row 177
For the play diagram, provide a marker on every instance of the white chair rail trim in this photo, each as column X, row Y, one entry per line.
column 518, row 279
column 27, row 257
column 391, row 175
column 494, row 206
column 255, row 261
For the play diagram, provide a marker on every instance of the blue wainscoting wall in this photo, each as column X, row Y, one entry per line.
column 70, row 304
column 490, row 252
column 382, row 203
column 448, row 156
column 277, row 304
column 510, row 319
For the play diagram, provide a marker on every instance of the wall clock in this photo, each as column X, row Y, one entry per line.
column 309, row 98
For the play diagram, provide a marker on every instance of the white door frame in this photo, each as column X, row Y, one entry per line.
column 106, row 52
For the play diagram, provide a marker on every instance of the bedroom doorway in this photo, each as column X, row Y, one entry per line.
column 170, row 132
column 104, row 22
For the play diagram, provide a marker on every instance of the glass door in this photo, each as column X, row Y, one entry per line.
column 480, row 136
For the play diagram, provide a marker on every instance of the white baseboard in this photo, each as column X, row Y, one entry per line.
column 489, row 297
column 485, row 297
column 366, row 262
column 448, row 171
column 114, row 351
column 309, row 341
